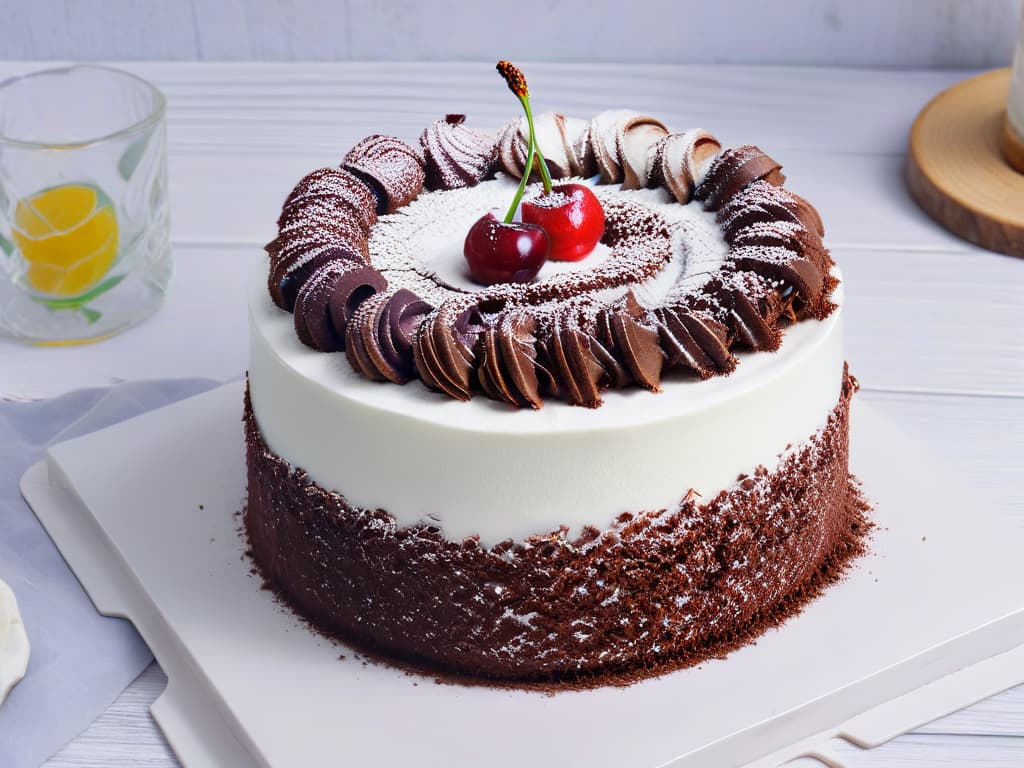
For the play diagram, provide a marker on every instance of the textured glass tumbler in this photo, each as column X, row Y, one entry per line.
column 84, row 231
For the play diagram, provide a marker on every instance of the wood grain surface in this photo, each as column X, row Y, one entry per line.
column 933, row 323
column 957, row 168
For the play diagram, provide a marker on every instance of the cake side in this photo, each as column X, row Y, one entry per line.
column 655, row 590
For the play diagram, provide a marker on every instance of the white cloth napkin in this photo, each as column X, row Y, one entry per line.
column 81, row 661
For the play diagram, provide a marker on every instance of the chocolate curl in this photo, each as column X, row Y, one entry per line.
column 397, row 328
column 753, row 308
column 508, row 366
column 552, row 131
column 786, row 234
column 679, row 346
column 455, row 155
column 287, row 275
column 636, row 341
column 443, row 350
column 678, row 161
column 392, row 169
column 578, row 148
column 694, row 339
column 604, row 134
column 339, row 193
column 313, row 323
column 733, row 170
column 762, row 202
column 786, row 266
column 572, row 365
column 379, row 336
column 360, row 346
column 355, row 282
column 636, row 136
column 618, row 159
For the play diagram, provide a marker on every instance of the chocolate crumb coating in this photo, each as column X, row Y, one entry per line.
column 654, row 591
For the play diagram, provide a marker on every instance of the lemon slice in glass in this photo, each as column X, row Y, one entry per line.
column 68, row 237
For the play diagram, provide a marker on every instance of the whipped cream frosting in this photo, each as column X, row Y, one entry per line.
column 480, row 468
column 14, row 647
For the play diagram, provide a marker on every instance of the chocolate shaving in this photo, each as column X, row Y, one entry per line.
column 355, row 283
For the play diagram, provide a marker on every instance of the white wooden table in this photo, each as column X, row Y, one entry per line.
column 935, row 326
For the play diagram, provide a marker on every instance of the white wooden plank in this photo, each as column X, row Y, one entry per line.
column 1000, row 715
column 980, row 439
column 944, row 33
column 233, row 106
column 124, row 735
column 930, row 751
column 934, row 321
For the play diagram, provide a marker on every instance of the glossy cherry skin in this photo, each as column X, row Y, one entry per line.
column 573, row 218
column 505, row 253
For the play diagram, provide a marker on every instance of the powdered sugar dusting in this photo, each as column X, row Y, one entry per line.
column 420, row 247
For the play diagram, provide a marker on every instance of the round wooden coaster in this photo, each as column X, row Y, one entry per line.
column 956, row 170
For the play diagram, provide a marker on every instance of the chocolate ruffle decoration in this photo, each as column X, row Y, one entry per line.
column 786, row 234
column 762, row 202
column 634, row 341
column 508, row 369
column 564, row 142
column 753, row 306
column 380, row 335
column 316, row 323
column 336, row 192
column 328, row 215
column 789, row 267
column 352, row 282
column 577, row 374
column 677, row 162
column 621, row 139
column 444, row 349
column 694, row 340
column 519, row 344
column 392, row 168
column 733, row 170
column 456, row 155
column 637, row 136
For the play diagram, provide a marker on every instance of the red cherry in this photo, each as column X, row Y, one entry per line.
column 505, row 253
column 573, row 218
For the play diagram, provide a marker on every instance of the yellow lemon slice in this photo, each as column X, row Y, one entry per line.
column 68, row 236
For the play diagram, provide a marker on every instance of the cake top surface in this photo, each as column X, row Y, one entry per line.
column 700, row 254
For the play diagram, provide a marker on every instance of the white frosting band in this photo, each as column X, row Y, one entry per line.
column 1015, row 108
column 483, row 468
column 14, row 649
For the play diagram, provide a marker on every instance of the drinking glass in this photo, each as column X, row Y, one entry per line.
column 84, row 229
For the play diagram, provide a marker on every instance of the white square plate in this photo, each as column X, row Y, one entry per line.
column 144, row 514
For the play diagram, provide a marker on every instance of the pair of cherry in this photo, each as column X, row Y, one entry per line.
column 563, row 223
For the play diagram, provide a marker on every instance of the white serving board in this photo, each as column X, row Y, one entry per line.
column 144, row 514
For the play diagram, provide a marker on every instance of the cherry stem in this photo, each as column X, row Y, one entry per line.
column 545, row 175
column 522, row 184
